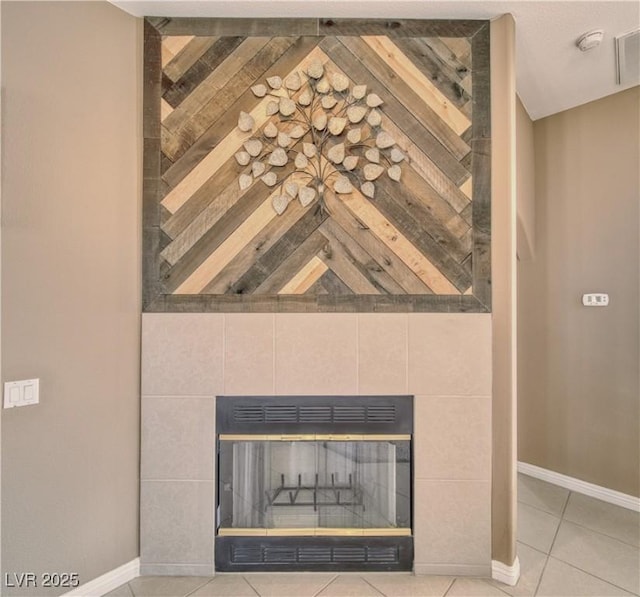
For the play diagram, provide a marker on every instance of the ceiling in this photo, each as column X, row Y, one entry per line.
column 552, row 74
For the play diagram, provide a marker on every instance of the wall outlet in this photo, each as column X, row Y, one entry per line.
column 598, row 299
column 21, row 393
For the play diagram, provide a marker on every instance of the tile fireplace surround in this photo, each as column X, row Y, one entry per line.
column 444, row 360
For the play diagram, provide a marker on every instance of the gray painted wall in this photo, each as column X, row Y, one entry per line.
column 71, row 74
column 578, row 366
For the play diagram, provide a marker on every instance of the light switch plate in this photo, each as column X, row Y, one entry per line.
column 596, row 299
column 21, row 393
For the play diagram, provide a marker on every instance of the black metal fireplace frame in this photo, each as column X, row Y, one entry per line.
column 291, row 415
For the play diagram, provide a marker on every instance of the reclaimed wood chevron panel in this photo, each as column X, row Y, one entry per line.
column 316, row 165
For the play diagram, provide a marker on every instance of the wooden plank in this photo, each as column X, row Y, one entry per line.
column 399, row 27
column 405, row 121
column 216, row 189
column 207, row 168
column 422, row 192
column 467, row 187
column 215, row 81
column 482, row 221
column 408, row 95
column 271, row 259
column 215, row 236
column 362, row 234
column 201, row 69
column 467, row 214
column 420, row 204
column 225, row 97
column 292, row 303
column 425, row 167
column 409, row 73
column 221, row 153
column 305, row 278
column 422, row 241
column 481, row 84
column 333, row 285
column 165, row 109
column 173, row 44
column 344, row 266
column 187, row 56
column 228, row 118
column 446, row 76
column 249, row 26
column 396, row 241
column 217, row 208
column 256, row 247
column 296, row 259
column 214, row 264
column 460, row 47
column 347, row 249
column 152, row 78
column 207, row 203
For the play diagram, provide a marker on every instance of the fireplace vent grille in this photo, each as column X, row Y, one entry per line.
column 269, row 554
column 278, row 414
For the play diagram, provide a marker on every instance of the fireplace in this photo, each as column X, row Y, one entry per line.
column 314, row 483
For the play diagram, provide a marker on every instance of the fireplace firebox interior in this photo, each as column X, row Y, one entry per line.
column 314, row 483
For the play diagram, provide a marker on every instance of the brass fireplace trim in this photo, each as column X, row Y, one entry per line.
column 308, row 437
column 314, row 532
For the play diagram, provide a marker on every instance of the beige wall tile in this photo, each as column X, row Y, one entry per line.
column 452, row 437
column 450, row 354
column 181, row 354
column 316, row 353
column 177, row 438
column 176, row 522
column 248, row 353
column 382, row 353
column 452, row 522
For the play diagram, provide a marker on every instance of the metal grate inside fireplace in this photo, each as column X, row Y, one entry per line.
column 314, row 483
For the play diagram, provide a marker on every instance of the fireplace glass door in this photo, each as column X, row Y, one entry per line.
column 314, row 485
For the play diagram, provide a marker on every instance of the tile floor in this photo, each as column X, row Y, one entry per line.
column 569, row 545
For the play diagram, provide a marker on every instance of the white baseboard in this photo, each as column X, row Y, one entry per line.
column 602, row 493
column 108, row 581
column 508, row 575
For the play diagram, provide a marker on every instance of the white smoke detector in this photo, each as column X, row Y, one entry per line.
column 590, row 40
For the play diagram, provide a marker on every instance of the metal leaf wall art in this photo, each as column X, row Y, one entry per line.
column 323, row 133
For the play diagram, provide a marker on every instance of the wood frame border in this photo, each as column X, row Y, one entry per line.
column 155, row 300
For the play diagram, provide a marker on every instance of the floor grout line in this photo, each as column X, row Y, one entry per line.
column 244, row 578
column 540, row 509
column 198, row 587
column 373, row 586
column 453, row 582
column 600, row 533
column 325, row 586
column 544, row 567
column 555, row 535
column 591, row 574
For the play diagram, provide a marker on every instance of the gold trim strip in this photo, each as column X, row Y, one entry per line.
column 313, row 532
column 386, row 532
column 306, row 437
column 227, row 532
